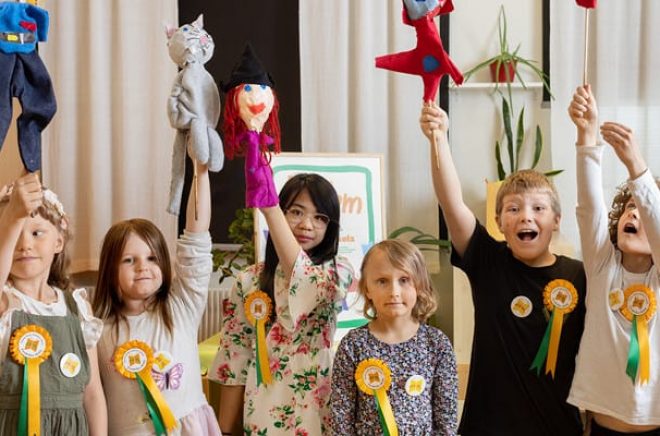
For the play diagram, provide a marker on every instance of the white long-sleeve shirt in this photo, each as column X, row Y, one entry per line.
column 600, row 383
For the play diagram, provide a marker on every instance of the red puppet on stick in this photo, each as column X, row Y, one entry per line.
column 428, row 59
column 586, row 4
column 251, row 126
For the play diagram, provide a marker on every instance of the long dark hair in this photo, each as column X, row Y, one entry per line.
column 107, row 302
column 326, row 201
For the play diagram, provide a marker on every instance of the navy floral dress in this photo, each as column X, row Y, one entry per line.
column 424, row 388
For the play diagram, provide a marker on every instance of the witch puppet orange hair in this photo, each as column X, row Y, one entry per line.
column 250, row 126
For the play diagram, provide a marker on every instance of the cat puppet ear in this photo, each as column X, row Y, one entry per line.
column 169, row 30
column 199, row 22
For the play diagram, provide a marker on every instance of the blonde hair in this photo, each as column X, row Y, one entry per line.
column 405, row 256
column 523, row 181
column 51, row 210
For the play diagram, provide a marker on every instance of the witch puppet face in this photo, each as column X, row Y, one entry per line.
column 255, row 102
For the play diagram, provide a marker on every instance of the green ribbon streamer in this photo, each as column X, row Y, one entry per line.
column 157, row 420
column 381, row 418
column 22, row 416
column 542, row 353
column 351, row 323
column 633, row 352
column 260, row 379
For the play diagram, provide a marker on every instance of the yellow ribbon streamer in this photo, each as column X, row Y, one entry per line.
column 135, row 351
column 257, row 311
column 264, row 364
column 31, row 345
column 555, row 335
column 165, row 412
column 386, row 409
column 644, row 358
column 34, row 396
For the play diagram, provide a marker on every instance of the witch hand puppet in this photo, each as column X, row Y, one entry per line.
column 251, row 127
column 193, row 106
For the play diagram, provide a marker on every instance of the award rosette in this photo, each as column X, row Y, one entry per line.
column 257, row 311
column 560, row 297
column 373, row 377
column 30, row 346
column 133, row 360
column 639, row 307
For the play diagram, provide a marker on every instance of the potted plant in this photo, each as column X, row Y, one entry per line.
column 241, row 232
column 505, row 69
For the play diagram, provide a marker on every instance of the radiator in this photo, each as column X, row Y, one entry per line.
column 212, row 318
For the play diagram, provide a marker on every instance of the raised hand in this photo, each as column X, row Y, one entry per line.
column 622, row 140
column 25, row 196
column 583, row 111
column 433, row 119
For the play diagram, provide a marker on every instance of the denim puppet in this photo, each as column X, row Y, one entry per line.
column 24, row 76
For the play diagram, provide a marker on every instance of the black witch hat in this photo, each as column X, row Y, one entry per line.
column 248, row 70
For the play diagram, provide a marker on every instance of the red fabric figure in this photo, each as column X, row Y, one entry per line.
column 590, row 4
column 428, row 59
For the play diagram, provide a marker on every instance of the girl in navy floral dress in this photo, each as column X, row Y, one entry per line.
column 396, row 371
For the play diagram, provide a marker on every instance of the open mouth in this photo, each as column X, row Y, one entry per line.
column 630, row 228
column 527, row 235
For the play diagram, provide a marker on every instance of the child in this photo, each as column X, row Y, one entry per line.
column 423, row 390
column 515, row 296
column 36, row 296
column 138, row 299
column 304, row 280
column 621, row 252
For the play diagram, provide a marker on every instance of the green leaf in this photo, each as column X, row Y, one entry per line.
column 506, row 118
column 401, row 230
column 520, row 136
column 500, row 168
column 538, row 146
column 553, row 173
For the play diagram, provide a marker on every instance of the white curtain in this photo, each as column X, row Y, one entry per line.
column 350, row 106
column 624, row 58
column 107, row 151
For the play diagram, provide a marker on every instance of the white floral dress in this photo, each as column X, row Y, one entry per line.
column 299, row 347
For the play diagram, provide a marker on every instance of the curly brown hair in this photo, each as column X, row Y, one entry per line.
column 405, row 256
column 621, row 197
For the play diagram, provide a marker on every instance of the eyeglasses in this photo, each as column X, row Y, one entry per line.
column 295, row 215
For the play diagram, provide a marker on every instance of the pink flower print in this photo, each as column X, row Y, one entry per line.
column 227, row 308
column 276, row 334
column 321, row 393
column 303, row 348
column 223, row 373
column 274, row 365
column 325, row 333
column 301, row 432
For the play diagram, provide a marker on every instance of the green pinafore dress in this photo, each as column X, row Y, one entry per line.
column 62, row 411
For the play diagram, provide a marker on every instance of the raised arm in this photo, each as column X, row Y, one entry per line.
column 285, row 242
column 25, row 196
column 198, row 220
column 460, row 219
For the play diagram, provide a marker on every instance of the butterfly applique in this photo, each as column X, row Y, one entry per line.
column 170, row 379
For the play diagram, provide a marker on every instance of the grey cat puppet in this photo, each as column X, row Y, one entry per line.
column 193, row 106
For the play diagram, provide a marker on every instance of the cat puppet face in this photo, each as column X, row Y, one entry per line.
column 190, row 43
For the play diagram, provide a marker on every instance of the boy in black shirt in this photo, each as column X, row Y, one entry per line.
column 525, row 299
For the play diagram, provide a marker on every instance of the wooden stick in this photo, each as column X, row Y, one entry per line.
column 586, row 45
column 195, row 187
column 436, row 149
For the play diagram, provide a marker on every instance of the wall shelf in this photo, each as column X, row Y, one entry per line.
column 491, row 85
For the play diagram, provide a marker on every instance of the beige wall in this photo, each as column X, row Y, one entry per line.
column 10, row 161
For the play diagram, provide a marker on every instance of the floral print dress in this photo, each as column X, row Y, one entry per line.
column 299, row 343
